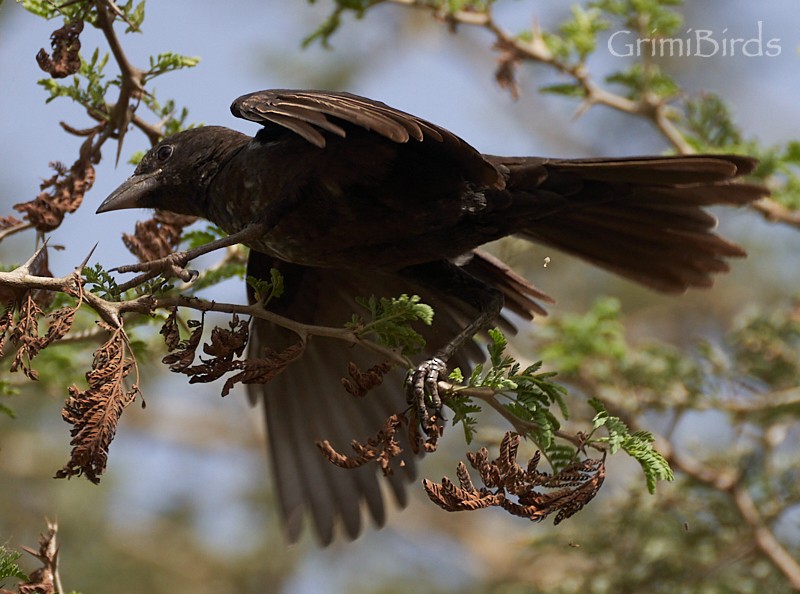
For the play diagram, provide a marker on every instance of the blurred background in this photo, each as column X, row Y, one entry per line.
column 186, row 504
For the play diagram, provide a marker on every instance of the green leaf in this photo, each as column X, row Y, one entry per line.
column 596, row 335
column 134, row 15
column 390, row 320
column 87, row 87
column 101, row 282
column 8, row 565
column 640, row 81
column 655, row 467
column 216, row 274
column 464, row 410
column 266, row 290
column 638, row 445
column 169, row 62
column 8, row 411
column 649, row 17
column 136, row 157
column 565, row 89
column 708, row 121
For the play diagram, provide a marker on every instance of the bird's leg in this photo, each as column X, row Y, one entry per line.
column 422, row 383
column 174, row 264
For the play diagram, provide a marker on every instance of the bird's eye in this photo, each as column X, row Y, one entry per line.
column 164, row 152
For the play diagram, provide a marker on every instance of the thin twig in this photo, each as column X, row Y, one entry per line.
column 535, row 50
column 8, row 231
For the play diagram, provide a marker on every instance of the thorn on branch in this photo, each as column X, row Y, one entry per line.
column 565, row 493
column 44, row 580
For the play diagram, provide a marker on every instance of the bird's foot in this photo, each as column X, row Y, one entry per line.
column 422, row 391
column 172, row 266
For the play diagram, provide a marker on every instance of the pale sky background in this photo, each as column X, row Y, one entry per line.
column 255, row 44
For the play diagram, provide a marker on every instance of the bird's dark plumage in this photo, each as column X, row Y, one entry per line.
column 353, row 198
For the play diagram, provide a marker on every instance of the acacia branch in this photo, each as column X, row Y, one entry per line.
column 730, row 483
column 777, row 212
column 14, row 229
column 650, row 107
column 112, row 312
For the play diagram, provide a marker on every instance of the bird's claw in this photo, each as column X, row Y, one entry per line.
column 172, row 266
column 423, row 392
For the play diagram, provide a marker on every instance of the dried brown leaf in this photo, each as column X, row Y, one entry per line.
column 157, row 237
column 94, row 413
column 226, row 345
column 506, row 72
column 364, row 381
column 6, row 322
column 381, row 448
column 9, row 221
column 538, row 494
column 264, row 369
column 170, row 331
column 63, row 193
column 452, row 498
column 26, row 335
column 66, row 45
column 186, row 349
column 428, row 442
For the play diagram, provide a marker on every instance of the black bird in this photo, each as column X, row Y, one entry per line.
column 349, row 197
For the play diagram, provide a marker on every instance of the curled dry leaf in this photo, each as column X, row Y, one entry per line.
column 507, row 63
column 263, row 369
column 538, row 494
column 23, row 311
column 26, row 332
column 226, row 344
column 9, row 221
column 66, row 45
column 364, row 381
column 184, row 354
column 428, row 441
column 382, row 448
column 6, row 322
column 62, row 193
column 170, row 331
column 225, row 347
column 157, row 237
column 95, row 412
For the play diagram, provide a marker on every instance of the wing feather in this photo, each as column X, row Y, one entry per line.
column 312, row 114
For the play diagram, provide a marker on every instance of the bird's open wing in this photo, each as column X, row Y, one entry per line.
column 314, row 115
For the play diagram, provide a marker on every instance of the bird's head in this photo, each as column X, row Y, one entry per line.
column 174, row 175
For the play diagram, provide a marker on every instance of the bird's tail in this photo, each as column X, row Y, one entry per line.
column 642, row 218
